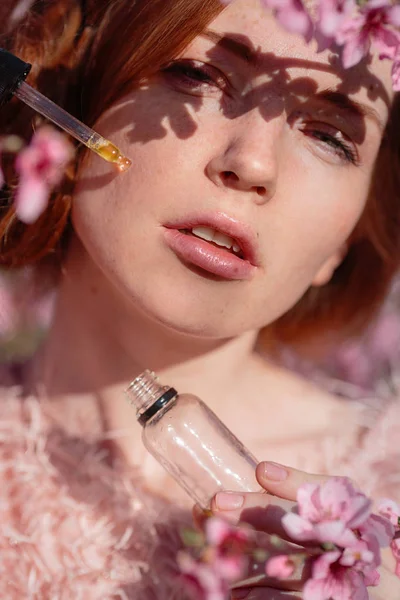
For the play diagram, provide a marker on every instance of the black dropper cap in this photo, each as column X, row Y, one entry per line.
column 13, row 71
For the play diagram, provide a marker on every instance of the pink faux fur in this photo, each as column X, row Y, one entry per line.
column 76, row 525
column 73, row 526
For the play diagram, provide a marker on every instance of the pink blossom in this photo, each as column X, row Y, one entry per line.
column 367, row 553
column 396, row 73
column 374, row 23
column 224, row 559
column 331, row 580
column 201, row 578
column 391, row 510
column 20, row 10
column 364, row 557
column 292, row 15
column 378, row 527
column 40, row 167
column 395, row 547
column 228, row 547
column 331, row 15
column 359, row 553
column 280, row 566
column 328, row 513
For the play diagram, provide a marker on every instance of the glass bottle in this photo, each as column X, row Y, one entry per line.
column 190, row 441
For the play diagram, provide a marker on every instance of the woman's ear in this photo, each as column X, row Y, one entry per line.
column 327, row 269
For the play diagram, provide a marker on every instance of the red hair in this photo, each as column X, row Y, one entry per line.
column 70, row 44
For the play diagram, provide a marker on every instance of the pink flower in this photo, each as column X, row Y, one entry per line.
column 280, row 567
column 328, row 513
column 331, row 580
column 223, row 560
column 395, row 547
column 228, row 547
column 378, row 527
column 359, row 553
column 396, row 73
column 331, row 15
column 364, row 557
column 292, row 15
column 201, row 578
column 20, row 10
column 374, row 23
column 390, row 510
column 40, row 167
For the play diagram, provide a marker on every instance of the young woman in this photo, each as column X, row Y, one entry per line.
column 241, row 135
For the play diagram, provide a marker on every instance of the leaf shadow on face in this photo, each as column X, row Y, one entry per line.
column 154, row 109
column 271, row 98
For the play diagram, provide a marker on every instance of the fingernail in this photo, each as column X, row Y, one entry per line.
column 239, row 593
column 229, row 500
column 274, row 471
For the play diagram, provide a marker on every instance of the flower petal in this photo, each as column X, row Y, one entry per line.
column 379, row 527
column 31, row 199
column 308, row 501
column 280, row 567
column 354, row 51
column 298, row 528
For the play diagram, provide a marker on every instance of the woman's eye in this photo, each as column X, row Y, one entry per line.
column 334, row 140
column 195, row 75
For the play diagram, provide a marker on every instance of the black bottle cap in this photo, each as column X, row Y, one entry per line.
column 13, row 71
column 157, row 405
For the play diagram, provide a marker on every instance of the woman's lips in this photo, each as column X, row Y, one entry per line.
column 207, row 256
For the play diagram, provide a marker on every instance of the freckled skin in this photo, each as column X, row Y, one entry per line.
column 312, row 201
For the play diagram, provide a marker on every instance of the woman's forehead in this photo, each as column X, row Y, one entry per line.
column 249, row 22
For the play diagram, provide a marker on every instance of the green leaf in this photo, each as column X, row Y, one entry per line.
column 276, row 541
column 192, row 538
column 260, row 555
column 328, row 546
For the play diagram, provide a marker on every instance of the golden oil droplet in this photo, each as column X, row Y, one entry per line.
column 108, row 152
column 124, row 163
column 112, row 154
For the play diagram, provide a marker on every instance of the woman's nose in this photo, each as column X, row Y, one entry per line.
column 247, row 158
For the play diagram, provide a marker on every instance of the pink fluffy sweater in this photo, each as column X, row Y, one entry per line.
column 76, row 523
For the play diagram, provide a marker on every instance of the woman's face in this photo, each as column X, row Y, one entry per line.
column 268, row 151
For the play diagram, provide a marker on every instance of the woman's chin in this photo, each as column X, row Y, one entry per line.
column 190, row 318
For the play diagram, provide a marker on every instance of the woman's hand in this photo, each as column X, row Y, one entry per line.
column 264, row 513
column 282, row 484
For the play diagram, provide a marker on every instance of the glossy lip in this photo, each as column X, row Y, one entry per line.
column 240, row 232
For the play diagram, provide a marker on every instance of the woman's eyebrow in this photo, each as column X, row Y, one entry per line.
column 348, row 105
column 337, row 99
column 239, row 48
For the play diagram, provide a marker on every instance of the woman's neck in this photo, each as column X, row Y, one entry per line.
column 97, row 345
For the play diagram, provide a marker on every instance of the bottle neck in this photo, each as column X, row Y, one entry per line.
column 148, row 396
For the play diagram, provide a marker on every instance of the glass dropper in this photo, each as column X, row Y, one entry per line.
column 13, row 72
column 71, row 125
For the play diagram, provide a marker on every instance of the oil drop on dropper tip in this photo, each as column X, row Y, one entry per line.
column 190, row 441
column 13, row 72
